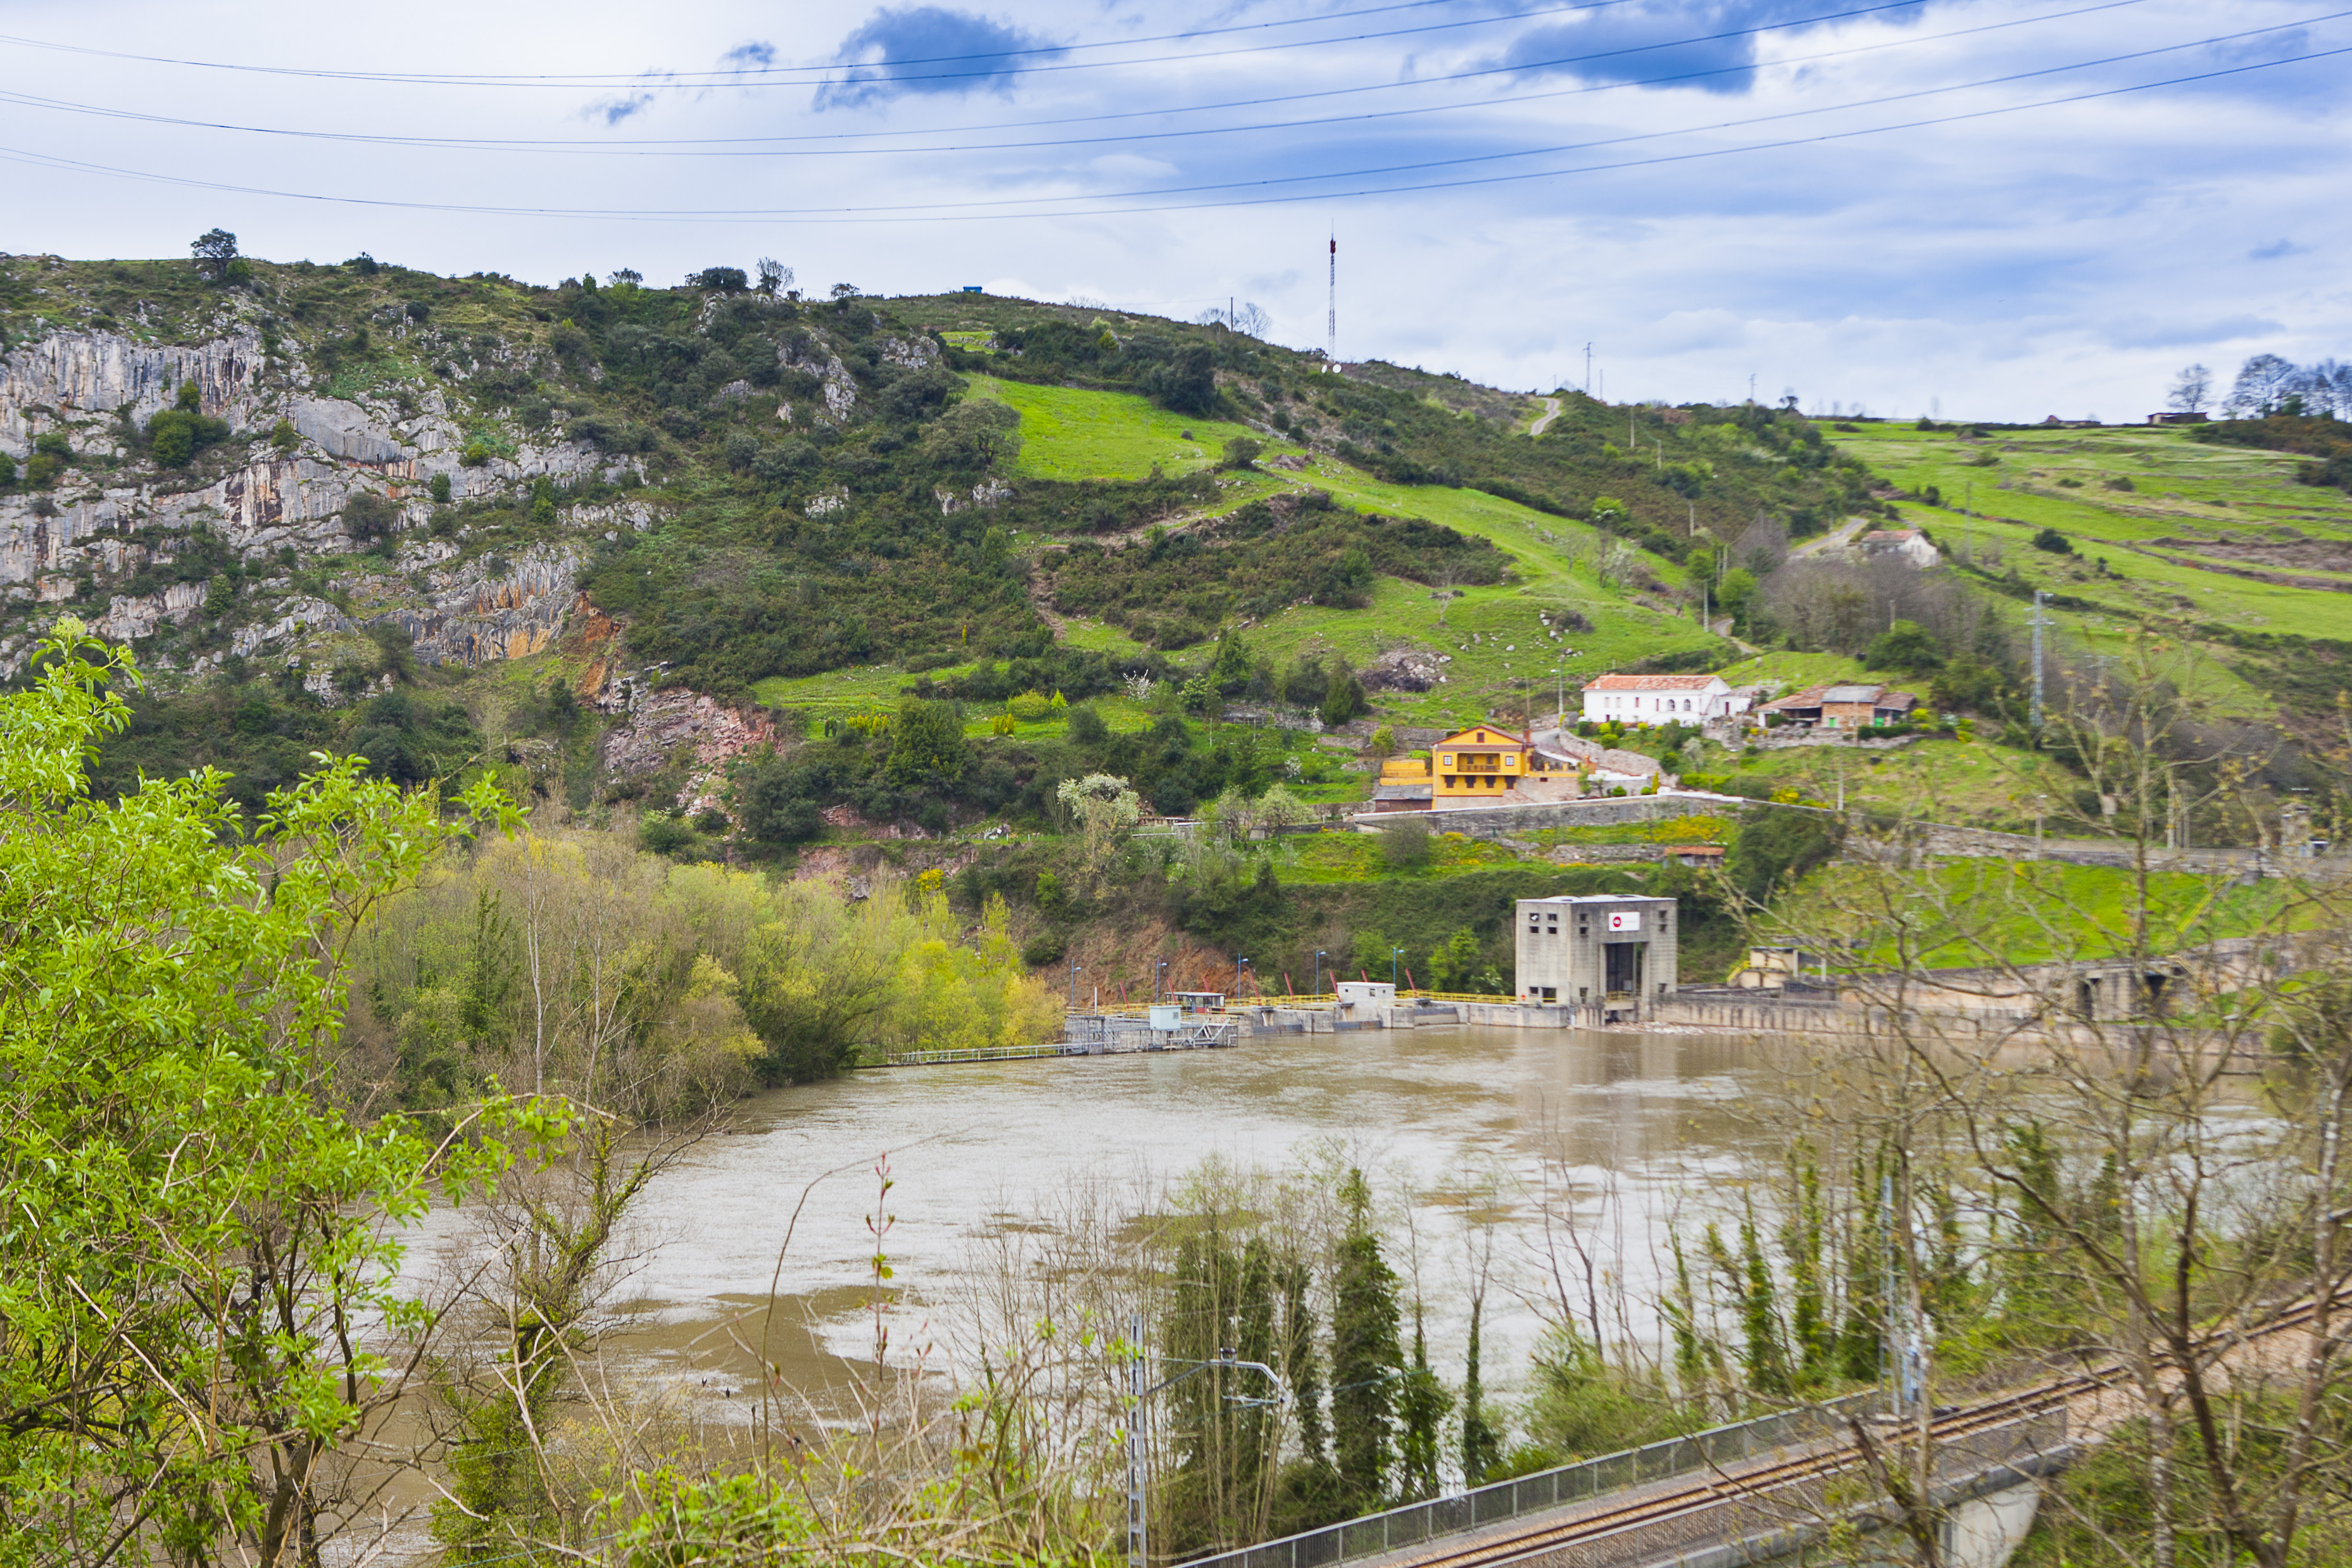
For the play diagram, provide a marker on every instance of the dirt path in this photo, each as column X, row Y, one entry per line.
column 1843, row 533
column 1550, row 413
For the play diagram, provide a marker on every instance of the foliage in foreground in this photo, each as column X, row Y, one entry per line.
column 192, row 1234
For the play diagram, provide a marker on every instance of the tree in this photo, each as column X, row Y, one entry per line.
column 370, row 515
column 1366, row 1359
column 775, row 277
column 179, row 1374
column 1343, row 698
column 720, row 279
column 2189, row 390
column 2261, row 381
column 1106, row 811
column 1241, row 452
column 1187, row 383
column 1905, row 647
column 213, row 249
column 927, row 746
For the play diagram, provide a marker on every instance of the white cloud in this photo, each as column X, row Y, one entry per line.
column 2058, row 259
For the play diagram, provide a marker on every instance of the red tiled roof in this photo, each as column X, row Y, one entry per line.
column 1649, row 683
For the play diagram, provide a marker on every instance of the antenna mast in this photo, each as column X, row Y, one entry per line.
column 1331, row 313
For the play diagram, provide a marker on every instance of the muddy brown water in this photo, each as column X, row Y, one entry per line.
column 1655, row 1120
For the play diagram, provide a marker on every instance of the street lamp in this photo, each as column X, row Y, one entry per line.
column 1073, row 988
column 1160, row 980
column 1319, row 956
column 1227, row 1360
column 1239, row 965
column 1393, row 952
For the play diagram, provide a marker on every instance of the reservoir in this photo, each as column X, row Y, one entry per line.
column 1591, row 1144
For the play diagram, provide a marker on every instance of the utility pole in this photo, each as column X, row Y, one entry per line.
column 1588, row 369
column 1331, row 313
column 2040, row 620
column 1136, row 1391
column 1751, row 388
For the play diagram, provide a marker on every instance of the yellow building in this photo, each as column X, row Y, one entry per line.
column 1481, row 763
column 1403, row 785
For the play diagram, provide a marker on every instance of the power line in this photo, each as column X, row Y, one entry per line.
column 881, row 216
column 766, row 146
column 826, row 77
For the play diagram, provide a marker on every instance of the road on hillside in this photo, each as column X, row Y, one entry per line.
column 1550, row 413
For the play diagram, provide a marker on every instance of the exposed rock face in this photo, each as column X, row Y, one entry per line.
column 474, row 616
column 661, row 723
column 68, row 380
column 90, row 529
column 1403, row 670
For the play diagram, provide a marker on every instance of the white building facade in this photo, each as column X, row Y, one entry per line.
column 1661, row 699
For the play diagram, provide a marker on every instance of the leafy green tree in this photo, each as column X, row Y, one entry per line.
column 1777, row 845
column 1422, row 1402
column 1452, row 966
column 1366, row 1359
column 927, row 746
column 1905, row 647
column 1343, row 697
column 180, row 1368
column 1241, row 452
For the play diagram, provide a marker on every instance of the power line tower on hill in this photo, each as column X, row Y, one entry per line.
column 1331, row 310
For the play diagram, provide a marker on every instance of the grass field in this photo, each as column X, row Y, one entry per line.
column 2028, row 912
column 1503, row 653
column 1972, row 784
column 1070, row 433
column 2172, row 546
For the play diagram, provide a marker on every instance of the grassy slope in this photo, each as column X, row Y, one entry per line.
column 1494, row 635
column 2182, row 491
column 2030, row 913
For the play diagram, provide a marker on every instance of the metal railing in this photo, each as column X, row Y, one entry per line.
column 1415, row 1523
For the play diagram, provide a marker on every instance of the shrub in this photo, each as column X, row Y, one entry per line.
column 2053, row 542
column 364, row 264
column 1404, row 843
column 440, row 489
column 7, row 469
column 1906, row 646
column 475, row 455
column 42, row 470
column 1241, row 452
column 2121, row 482
column 284, row 437
column 662, row 834
column 370, row 516
column 1086, row 727
column 54, row 444
column 1030, row 706
column 721, row 279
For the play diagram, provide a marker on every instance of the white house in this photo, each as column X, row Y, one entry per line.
column 1662, row 699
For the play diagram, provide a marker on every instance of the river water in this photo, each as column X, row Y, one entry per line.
column 1625, row 1131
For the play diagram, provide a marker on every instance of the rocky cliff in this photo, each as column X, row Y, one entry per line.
column 113, row 518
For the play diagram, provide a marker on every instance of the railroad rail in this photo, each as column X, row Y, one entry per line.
column 1662, row 1506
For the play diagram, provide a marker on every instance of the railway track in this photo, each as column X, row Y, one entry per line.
column 1720, row 1488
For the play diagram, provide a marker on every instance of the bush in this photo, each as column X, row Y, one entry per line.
column 662, row 834
column 1086, row 727
column 7, row 469
column 1241, row 452
column 284, row 437
column 1030, row 706
column 475, row 455
column 370, row 515
column 1404, row 843
column 721, row 279
column 42, row 470
column 53, row 444
column 439, row 489
column 2053, row 542
column 1906, row 646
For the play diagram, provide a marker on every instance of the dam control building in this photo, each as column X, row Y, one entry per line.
column 1613, row 951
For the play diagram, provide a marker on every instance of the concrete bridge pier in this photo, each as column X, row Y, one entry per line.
column 1986, row 1530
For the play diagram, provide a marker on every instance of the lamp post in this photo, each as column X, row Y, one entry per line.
column 1137, row 1391
column 1073, row 988
column 1319, row 956
column 1160, row 980
column 1393, row 954
column 1240, row 965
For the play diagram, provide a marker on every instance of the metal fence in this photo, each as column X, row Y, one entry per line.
column 1400, row 1527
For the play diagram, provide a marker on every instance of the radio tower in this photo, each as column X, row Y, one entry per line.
column 1331, row 314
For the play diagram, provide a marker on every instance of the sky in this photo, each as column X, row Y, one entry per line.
column 1971, row 208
